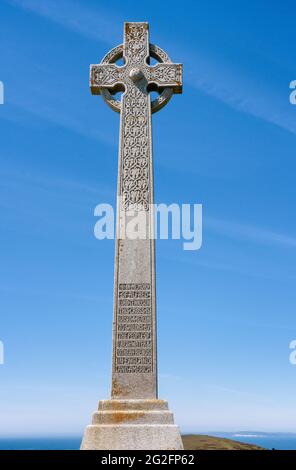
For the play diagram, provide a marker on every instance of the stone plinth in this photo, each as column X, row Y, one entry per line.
column 132, row 424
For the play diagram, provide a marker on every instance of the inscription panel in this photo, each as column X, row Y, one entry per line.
column 133, row 353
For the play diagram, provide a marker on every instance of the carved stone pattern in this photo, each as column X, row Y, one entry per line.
column 112, row 56
column 135, row 152
column 163, row 73
column 135, row 139
column 117, row 53
column 136, row 43
column 106, row 75
column 134, row 329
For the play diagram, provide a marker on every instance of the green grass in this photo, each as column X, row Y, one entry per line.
column 203, row 442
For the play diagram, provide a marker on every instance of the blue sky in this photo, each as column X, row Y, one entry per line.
column 226, row 313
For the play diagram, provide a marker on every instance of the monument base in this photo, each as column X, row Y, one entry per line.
column 132, row 425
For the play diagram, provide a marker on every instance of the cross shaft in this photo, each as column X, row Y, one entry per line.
column 134, row 361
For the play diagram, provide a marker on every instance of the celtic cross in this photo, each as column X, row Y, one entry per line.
column 134, row 361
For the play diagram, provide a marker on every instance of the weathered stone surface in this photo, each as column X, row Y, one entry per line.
column 138, row 436
column 132, row 424
column 133, row 412
column 138, row 423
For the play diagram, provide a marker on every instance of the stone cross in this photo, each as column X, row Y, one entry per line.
column 134, row 361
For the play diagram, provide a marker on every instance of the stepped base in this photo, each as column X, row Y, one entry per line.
column 132, row 425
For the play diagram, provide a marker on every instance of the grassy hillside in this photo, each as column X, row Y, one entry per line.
column 202, row 442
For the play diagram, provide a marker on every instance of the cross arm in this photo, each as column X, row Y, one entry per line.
column 165, row 75
column 105, row 76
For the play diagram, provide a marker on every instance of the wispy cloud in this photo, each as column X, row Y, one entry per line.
column 244, row 264
column 52, row 101
column 169, row 377
column 266, row 106
column 236, row 267
column 91, row 23
column 15, row 180
column 229, row 390
column 27, row 291
column 249, row 232
column 53, row 113
column 205, row 73
column 46, row 204
column 240, row 89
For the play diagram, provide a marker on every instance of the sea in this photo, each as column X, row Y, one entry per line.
column 278, row 441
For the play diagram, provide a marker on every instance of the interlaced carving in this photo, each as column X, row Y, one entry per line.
column 134, row 331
